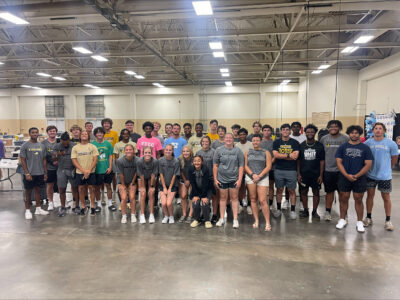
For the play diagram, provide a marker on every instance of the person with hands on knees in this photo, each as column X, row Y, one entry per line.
column 169, row 169
column 228, row 173
column 127, row 170
column 199, row 177
column 354, row 160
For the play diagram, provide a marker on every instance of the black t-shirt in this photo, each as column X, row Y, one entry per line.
column 310, row 158
column 135, row 136
column 287, row 147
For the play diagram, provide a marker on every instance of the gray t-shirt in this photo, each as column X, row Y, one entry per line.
column 64, row 161
column 34, row 154
column 208, row 159
column 216, row 144
column 244, row 147
column 127, row 168
column 331, row 145
column 49, row 154
column 229, row 160
column 257, row 161
column 147, row 168
column 267, row 145
column 169, row 168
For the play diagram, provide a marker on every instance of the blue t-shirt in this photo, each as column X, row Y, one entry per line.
column 177, row 144
column 354, row 157
column 383, row 151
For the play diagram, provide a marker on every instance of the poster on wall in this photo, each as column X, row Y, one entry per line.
column 387, row 119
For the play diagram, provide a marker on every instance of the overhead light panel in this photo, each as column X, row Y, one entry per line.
column 139, row 77
column 99, row 58
column 228, row 83
column 350, row 49
column 43, row 74
column 324, row 67
column 130, row 73
column 82, row 50
column 36, row 88
column 215, row 45
column 224, row 70
column 225, row 74
column 316, row 72
column 364, row 39
column 13, row 19
column 59, row 78
column 202, row 8
column 1, row 63
column 158, row 85
column 218, row 54
column 26, row 86
column 90, row 86
column 285, row 82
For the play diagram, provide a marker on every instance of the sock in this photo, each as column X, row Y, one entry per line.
column 292, row 207
column 109, row 202
column 328, row 210
column 271, row 201
column 30, row 210
column 387, row 218
column 369, row 215
column 278, row 206
column 99, row 203
column 314, row 211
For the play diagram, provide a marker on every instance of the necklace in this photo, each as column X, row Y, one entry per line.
column 308, row 145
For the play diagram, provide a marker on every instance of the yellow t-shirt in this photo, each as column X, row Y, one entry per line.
column 194, row 143
column 213, row 137
column 112, row 137
column 84, row 155
column 120, row 146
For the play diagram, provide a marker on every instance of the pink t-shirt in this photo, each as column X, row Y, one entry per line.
column 152, row 142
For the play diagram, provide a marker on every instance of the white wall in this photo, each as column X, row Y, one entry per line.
column 32, row 107
column 8, row 108
column 230, row 106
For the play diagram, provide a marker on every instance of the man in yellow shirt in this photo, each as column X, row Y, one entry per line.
column 111, row 135
column 213, row 135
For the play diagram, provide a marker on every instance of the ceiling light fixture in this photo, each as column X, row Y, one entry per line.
column 99, row 58
column 285, row 82
column 215, row 45
column 224, row 70
column 59, row 78
column 91, row 86
column 139, row 77
column 36, row 88
column 202, row 8
column 218, row 54
column 1, row 63
column 228, row 83
column 158, row 85
column 128, row 72
column 43, row 74
column 13, row 19
column 26, row 86
column 364, row 39
column 316, row 72
column 225, row 74
column 324, row 67
column 350, row 49
column 82, row 50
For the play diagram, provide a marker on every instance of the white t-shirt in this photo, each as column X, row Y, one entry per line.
column 300, row 138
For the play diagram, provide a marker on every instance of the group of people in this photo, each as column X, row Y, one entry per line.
column 213, row 170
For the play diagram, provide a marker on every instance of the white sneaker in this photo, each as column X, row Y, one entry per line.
column 51, row 206
column 220, row 223
column 327, row 216
column 151, row 219
column 249, row 211
column 142, row 219
column 285, row 204
column 123, row 219
column 360, row 227
column 171, row 220
column 341, row 224
column 40, row 211
column 245, row 202
column 28, row 215
column 178, row 201
column 301, row 206
column 165, row 220
column 235, row 224
column 133, row 218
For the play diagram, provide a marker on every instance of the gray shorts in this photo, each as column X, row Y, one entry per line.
column 384, row 186
column 285, row 178
column 63, row 177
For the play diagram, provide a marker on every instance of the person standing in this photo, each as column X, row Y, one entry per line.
column 156, row 133
column 244, row 145
column 221, row 131
column 2, row 154
column 267, row 143
column 332, row 142
column 213, row 135
column 76, row 133
column 110, row 135
column 235, row 131
column 296, row 128
column 195, row 140
column 89, row 129
column 385, row 154
column 286, row 152
column 176, row 140
column 354, row 160
column 49, row 145
column 168, row 130
column 256, row 130
column 33, row 161
column 130, row 125
column 148, row 140
column 310, row 170
column 187, row 131
column 124, row 139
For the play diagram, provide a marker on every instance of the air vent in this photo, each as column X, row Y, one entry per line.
column 62, row 18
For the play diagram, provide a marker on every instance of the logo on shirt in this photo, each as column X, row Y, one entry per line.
column 285, row 149
column 353, row 153
column 310, row 154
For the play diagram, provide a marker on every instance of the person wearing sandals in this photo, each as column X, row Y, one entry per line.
column 258, row 163
column 185, row 161
column 169, row 169
column 199, row 177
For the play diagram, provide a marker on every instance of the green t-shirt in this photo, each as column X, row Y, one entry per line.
column 105, row 149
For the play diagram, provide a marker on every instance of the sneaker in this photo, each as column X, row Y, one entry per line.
column 235, row 224
column 220, row 223
column 112, row 207
column 151, row 219
column 51, row 206
column 77, row 210
column 301, row 207
column 285, row 204
column 82, row 212
column 208, row 225
column 389, row 226
column 304, row 214
column 28, row 215
column 171, row 220
column 226, row 214
column 123, row 219
column 182, row 219
column 360, row 227
column 133, row 218
column 189, row 219
column 165, row 220
column 194, row 224
column 316, row 216
column 327, row 216
column 92, row 212
column 103, row 202
column 62, row 211
column 249, row 211
column 293, row 215
column 341, row 224
column 98, row 209
column 178, row 201
column 367, row 222
column 142, row 219
column 277, row 213
column 40, row 211
column 214, row 219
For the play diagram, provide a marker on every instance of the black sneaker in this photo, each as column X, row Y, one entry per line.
column 92, row 212
column 82, row 212
column 315, row 215
column 304, row 214
column 112, row 208
column 98, row 209
column 62, row 212
column 214, row 219
column 77, row 210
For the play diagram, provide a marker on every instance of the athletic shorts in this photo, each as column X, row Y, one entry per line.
column 271, row 175
column 37, row 181
column 262, row 182
column 331, row 181
column 51, row 176
column 104, row 178
column 309, row 182
column 174, row 189
column 385, row 186
column 91, row 180
column 229, row 185
column 358, row 186
column 63, row 177
column 285, row 178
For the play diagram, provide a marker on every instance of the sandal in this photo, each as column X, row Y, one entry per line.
column 268, row 227
column 255, row 225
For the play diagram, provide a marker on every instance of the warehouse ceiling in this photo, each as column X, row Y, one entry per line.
column 168, row 43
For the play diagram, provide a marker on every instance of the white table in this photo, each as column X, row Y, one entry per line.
column 9, row 164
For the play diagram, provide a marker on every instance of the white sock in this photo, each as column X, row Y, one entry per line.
column 109, row 202
column 28, row 210
column 99, row 203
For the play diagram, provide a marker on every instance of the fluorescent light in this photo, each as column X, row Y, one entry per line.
column 324, row 67
column 139, row 77
column 225, row 74
column 158, row 85
column 82, row 50
column 316, row 72
column 13, row 19
column 91, row 86
column 224, row 70
column 36, row 88
column 219, row 54
column 215, row 45
column 43, row 74
column 26, row 86
column 350, row 49
column 59, row 78
column 228, row 83
column 285, row 82
column 1, row 63
column 99, row 58
column 364, row 39
column 202, row 8
column 130, row 72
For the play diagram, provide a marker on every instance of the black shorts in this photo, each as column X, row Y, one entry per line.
column 104, row 178
column 229, row 185
column 384, row 186
column 271, row 175
column 174, row 188
column 89, row 181
column 358, row 186
column 37, row 181
column 309, row 182
column 331, row 181
column 51, row 176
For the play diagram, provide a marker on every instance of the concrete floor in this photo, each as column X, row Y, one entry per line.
column 98, row 257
